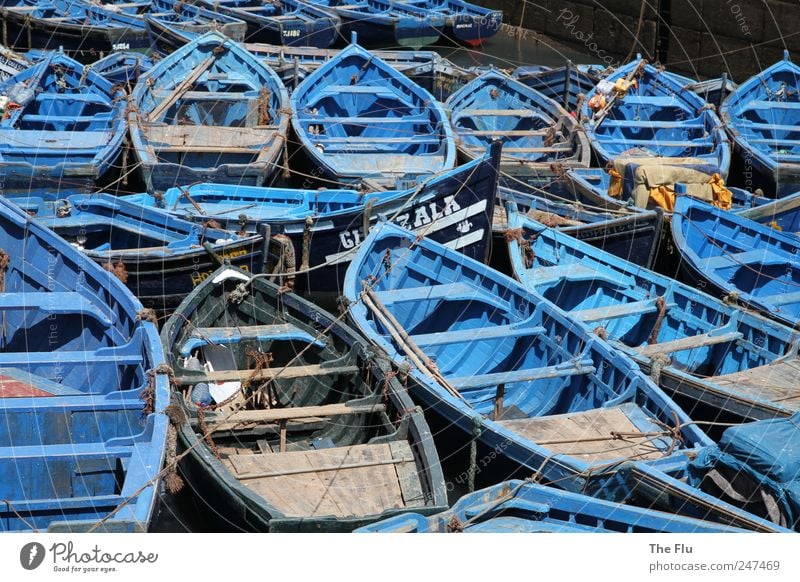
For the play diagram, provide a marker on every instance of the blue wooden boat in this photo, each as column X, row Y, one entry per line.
column 62, row 126
column 525, row 507
column 782, row 214
column 762, row 117
column 591, row 186
column 160, row 258
column 123, row 67
column 294, row 63
column 536, row 132
column 76, row 354
column 519, row 378
column 324, row 227
column 12, row 63
column 381, row 23
column 632, row 234
column 464, row 22
column 565, row 85
column 357, row 119
column 86, row 31
column 656, row 117
column 288, row 22
column 162, row 16
column 325, row 438
column 739, row 258
column 705, row 352
column 209, row 112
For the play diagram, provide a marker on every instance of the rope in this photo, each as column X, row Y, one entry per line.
column 473, row 452
column 22, row 519
column 657, row 363
column 662, row 312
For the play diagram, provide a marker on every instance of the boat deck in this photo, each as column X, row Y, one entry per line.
column 775, row 382
column 356, row 480
column 603, row 434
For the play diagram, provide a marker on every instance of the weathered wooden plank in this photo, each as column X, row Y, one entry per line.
column 344, row 481
column 282, row 414
column 688, row 343
column 556, row 371
column 589, row 436
column 614, row 311
column 777, row 382
column 270, row 373
column 182, row 87
column 407, row 475
column 164, row 137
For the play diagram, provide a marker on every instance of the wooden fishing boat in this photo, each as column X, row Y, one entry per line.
column 294, row 424
column 123, row 67
column 357, row 119
column 288, row 22
column 62, row 126
column 761, row 116
column 515, row 375
column 294, row 63
column 782, row 214
column 79, row 448
column 381, row 23
column 84, row 30
column 89, row 30
column 163, row 16
column 564, row 85
column 633, row 234
column 324, row 227
column 739, row 258
column 717, row 359
column 11, row 63
column 656, row 116
column 592, row 186
column 536, row 132
column 209, row 112
column 525, row 507
column 160, row 258
column 464, row 23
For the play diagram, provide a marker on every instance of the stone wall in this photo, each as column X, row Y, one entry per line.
column 699, row 37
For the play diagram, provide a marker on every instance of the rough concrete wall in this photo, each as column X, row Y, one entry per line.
column 700, row 37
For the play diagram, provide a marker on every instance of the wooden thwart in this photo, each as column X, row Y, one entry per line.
column 269, row 373
column 283, row 414
column 688, row 343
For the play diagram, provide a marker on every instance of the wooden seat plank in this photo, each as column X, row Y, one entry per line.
column 269, row 373
column 224, row 421
column 689, row 343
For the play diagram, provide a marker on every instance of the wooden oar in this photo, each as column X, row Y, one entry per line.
column 182, row 87
column 415, row 354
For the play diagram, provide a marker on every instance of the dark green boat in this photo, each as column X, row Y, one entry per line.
column 293, row 424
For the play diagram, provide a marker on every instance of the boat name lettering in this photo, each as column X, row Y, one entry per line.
column 121, row 46
column 198, row 276
column 291, row 33
column 418, row 217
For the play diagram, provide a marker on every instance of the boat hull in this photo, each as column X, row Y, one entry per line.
column 84, row 43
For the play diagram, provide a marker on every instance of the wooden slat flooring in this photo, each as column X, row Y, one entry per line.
column 317, row 487
column 778, row 382
column 574, row 434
